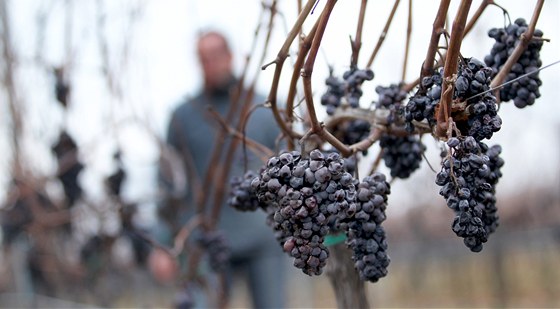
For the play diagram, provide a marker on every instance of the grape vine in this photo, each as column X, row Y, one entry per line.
column 310, row 196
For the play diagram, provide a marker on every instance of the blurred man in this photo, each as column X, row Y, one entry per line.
column 192, row 131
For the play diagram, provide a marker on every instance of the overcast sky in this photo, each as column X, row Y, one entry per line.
column 159, row 69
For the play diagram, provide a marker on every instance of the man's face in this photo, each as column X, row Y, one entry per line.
column 216, row 61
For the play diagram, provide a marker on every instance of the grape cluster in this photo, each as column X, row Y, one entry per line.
column 68, row 169
column 349, row 87
column 114, row 181
column 365, row 235
column 216, row 245
column 356, row 130
column 495, row 162
column 61, row 87
column 468, row 178
column 391, row 98
column 354, row 79
column 421, row 106
column 131, row 230
column 302, row 196
column 524, row 91
column 473, row 78
column 402, row 154
column 241, row 196
column 335, row 91
column 352, row 131
column 351, row 164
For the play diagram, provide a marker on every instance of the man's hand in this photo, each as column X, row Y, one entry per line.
column 162, row 266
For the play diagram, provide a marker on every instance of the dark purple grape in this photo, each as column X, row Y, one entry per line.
column 300, row 213
column 217, row 248
column 241, row 196
column 402, row 155
column 365, row 235
column 524, row 91
column 468, row 179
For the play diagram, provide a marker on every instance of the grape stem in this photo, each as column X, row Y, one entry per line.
column 383, row 34
column 409, row 86
column 450, row 68
column 317, row 127
column 356, row 44
column 246, row 142
column 367, row 142
column 428, row 162
column 215, row 171
column 483, row 5
column 256, row 147
column 426, row 70
column 407, row 44
column 8, row 78
column 195, row 182
column 376, row 117
column 304, row 50
column 224, row 166
column 219, row 140
column 184, row 233
column 525, row 39
column 279, row 63
column 437, row 29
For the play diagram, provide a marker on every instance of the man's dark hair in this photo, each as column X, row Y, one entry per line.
column 209, row 33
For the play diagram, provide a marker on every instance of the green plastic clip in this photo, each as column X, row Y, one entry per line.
column 331, row 240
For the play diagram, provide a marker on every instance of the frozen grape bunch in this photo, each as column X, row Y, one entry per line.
column 524, row 91
column 473, row 79
column 365, row 235
column 349, row 88
column 467, row 179
column 332, row 98
column 402, row 154
column 354, row 78
column 391, row 98
column 217, row 247
column 304, row 195
column 241, row 196
column 421, row 106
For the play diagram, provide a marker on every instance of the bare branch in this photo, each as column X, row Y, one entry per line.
column 357, row 42
column 376, row 162
column 383, row 34
column 184, row 233
column 437, row 30
column 10, row 86
column 408, row 36
column 264, row 152
column 450, row 67
column 316, row 126
column 225, row 165
column 367, row 142
column 305, row 46
column 519, row 49
column 470, row 25
column 279, row 62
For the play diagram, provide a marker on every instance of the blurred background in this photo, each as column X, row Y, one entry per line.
column 128, row 63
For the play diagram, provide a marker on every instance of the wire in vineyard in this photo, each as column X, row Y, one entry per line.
column 492, row 89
